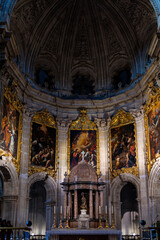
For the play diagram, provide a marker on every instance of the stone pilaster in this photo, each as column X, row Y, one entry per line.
column 22, row 209
column 63, row 126
column 141, row 150
column 75, row 204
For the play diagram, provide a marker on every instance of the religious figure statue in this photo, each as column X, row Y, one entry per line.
column 83, row 200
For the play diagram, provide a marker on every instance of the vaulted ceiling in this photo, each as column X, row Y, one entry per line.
column 75, row 41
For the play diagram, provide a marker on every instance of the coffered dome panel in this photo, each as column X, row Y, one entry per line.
column 98, row 39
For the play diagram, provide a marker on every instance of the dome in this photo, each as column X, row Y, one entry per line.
column 83, row 48
column 83, row 172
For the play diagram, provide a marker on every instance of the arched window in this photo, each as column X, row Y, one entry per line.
column 129, row 210
column 37, row 208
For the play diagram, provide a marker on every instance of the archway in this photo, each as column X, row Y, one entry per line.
column 129, row 210
column 42, row 191
column 37, row 207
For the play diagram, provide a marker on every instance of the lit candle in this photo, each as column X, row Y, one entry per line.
column 99, row 209
column 106, row 209
column 61, row 210
column 54, row 209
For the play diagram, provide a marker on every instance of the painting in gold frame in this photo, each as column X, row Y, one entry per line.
column 83, row 140
column 152, row 125
column 10, row 143
column 43, row 145
column 123, row 144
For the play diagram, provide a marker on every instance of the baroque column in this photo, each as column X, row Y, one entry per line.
column 141, row 149
column 22, row 210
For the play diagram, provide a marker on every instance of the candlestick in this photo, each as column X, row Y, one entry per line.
column 54, row 221
column 67, row 218
column 106, row 221
column 112, row 225
column 100, row 222
column 60, row 224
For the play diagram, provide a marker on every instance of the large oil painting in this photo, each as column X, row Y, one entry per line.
column 10, row 126
column 154, row 130
column 83, row 146
column 123, row 147
column 43, row 144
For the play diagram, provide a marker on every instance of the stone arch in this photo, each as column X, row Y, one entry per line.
column 51, row 197
column 50, row 185
column 116, row 186
column 154, row 191
column 10, row 180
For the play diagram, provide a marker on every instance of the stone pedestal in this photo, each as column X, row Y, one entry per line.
column 83, row 220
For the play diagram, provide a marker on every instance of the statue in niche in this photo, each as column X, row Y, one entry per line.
column 84, row 202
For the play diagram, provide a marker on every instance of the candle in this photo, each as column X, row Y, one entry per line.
column 67, row 209
column 106, row 209
column 61, row 210
column 99, row 209
column 54, row 209
column 112, row 209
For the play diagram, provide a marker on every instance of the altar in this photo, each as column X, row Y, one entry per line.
column 84, row 234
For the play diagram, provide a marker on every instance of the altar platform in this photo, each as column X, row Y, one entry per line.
column 84, row 234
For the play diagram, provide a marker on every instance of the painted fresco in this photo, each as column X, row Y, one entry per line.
column 43, row 146
column 123, row 147
column 154, row 130
column 10, row 125
column 83, row 143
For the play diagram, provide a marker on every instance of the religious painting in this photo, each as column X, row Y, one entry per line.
column 83, row 142
column 43, row 143
column 123, row 147
column 10, row 129
column 83, row 145
column 152, row 124
column 154, row 130
column 123, row 144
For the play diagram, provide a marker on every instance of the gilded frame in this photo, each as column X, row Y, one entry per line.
column 11, row 95
column 44, row 118
column 152, row 103
column 122, row 119
column 83, row 124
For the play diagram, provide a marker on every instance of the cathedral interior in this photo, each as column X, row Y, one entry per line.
column 80, row 117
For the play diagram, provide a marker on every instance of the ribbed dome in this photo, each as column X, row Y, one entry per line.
column 83, row 47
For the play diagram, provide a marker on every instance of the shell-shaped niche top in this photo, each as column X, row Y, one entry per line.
column 83, row 172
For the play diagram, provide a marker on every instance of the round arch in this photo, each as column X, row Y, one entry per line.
column 116, row 186
column 154, row 191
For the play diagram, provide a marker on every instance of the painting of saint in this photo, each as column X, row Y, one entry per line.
column 123, row 147
column 9, row 133
column 43, row 146
column 154, row 130
column 83, row 146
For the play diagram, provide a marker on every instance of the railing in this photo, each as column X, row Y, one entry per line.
column 131, row 237
column 15, row 233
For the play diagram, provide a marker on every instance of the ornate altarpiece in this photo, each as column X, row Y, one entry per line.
column 43, row 144
column 123, row 144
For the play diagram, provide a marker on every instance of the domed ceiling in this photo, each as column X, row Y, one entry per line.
column 83, row 48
